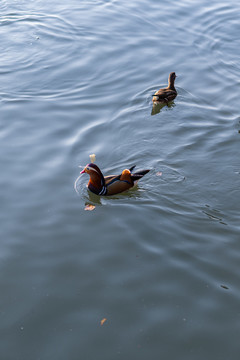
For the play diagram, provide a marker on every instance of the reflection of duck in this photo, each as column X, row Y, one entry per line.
column 157, row 106
column 113, row 184
column 167, row 94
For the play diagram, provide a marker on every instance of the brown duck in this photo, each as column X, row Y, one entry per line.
column 166, row 94
column 112, row 184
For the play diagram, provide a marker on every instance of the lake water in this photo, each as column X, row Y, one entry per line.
column 161, row 262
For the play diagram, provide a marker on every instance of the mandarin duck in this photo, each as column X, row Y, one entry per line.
column 112, row 184
column 166, row 94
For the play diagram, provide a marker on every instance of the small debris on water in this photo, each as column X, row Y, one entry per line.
column 103, row 321
column 89, row 207
column 224, row 287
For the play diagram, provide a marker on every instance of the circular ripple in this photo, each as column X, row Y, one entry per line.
column 218, row 33
column 37, row 52
column 22, row 31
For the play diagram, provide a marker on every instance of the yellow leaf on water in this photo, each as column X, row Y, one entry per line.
column 103, row 321
column 89, row 207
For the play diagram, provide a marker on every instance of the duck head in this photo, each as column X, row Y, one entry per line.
column 96, row 182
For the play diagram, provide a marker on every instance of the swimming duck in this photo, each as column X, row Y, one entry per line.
column 112, row 184
column 166, row 94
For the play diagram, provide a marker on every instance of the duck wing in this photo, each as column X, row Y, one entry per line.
column 115, row 186
column 111, row 178
column 164, row 94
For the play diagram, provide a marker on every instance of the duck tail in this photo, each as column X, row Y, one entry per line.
column 139, row 174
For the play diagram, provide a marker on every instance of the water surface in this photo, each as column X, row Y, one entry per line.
column 161, row 262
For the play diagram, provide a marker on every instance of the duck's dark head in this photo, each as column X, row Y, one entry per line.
column 91, row 169
column 96, row 177
column 171, row 79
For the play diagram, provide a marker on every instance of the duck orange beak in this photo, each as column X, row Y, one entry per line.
column 83, row 171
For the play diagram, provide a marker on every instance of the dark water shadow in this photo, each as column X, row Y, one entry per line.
column 93, row 199
column 214, row 214
column 157, row 107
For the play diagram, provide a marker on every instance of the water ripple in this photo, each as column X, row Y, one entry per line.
column 219, row 33
column 38, row 43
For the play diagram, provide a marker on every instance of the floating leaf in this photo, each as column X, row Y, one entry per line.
column 103, row 321
column 89, row 207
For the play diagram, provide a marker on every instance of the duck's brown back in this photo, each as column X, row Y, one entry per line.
column 164, row 95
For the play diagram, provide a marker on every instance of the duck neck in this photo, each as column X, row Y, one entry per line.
column 171, row 84
column 96, row 182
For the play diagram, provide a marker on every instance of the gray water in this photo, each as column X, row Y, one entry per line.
column 161, row 262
